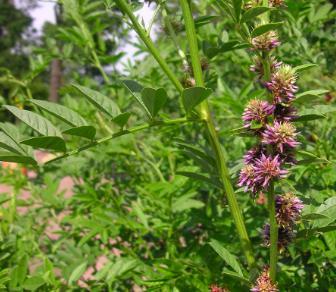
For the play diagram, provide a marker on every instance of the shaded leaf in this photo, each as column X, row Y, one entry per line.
column 200, row 177
column 259, row 30
column 252, row 13
column 13, row 157
column 88, row 132
column 77, row 273
column 33, row 283
column 154, row 99
column 46, row 142
column 122, row 119
column 191, row 97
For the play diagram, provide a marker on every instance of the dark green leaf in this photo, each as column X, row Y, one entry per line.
column 154, row 99
column 99, row 100
column 63, row 113
column 46, row 142
column 35, row 121
column 122, row 119
column 252, row 13
column 88, row 132
column 135, row 89
column 193, row 96
column 237, row 6
column 314, row 216
column 259, row 30
column 13, row 157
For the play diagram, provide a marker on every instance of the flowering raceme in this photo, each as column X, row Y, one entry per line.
column 258, row 111
column 264, row 283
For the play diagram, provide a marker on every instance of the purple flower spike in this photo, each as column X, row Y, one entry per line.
column 281, row 134
column 283, row 84
column 266, row 41
column 285, row 236
column 257, row 110
column 288, row 209
column 247, row 178
column 267, row 169
column 264, row 283
column 253, row 154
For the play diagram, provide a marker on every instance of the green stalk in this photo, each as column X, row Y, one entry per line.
column 273, row 234
column 205, row 113
column 122, row 133
column 124, row 7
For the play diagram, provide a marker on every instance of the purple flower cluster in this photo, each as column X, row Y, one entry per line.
column 272, row 123
column 264, row 283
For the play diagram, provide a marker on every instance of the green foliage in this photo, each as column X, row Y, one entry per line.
column 148, row 209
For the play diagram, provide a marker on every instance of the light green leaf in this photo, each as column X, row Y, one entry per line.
column 183, row 204
column 316, row 112
column 99, row 100
column 259, row 30
column 77, row 273
column 88, row 132
column 193, row 96
column 63, row 113
column 308, row 95
column 33, row 283
column 304, row 67
column 9, row 144
column 252, row 13
column 46, row 142
column 226, row 256
column 154, row 99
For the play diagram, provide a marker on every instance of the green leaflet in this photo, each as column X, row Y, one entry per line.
column 191, row 97
column 99, row 100
column 259, row 30
column 154, row 99
column 35, row 121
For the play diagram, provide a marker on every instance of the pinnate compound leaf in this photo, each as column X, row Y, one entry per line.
column 193, row 96
column 259, row 30
column 229, row 258
column 65, row 114
column 154, row 99
column 35, row 121
column 252, row 13
column 88, row 132
column 99, row 100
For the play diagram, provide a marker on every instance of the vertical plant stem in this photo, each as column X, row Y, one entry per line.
column 205, row 113
column 124, row 7
column 273, row 233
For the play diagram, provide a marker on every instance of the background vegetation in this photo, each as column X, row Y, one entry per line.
column 138, row 218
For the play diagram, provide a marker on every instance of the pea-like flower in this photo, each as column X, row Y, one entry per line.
column 266, row 169
column 288, row 209
column 285, row 236
column 281, row 134
column 258, row 111
column 265, row 42
column 283, row 84
column 264, row 283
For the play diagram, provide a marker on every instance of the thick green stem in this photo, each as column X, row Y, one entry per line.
column 205, row 113
column 124, row 7
column 273, row 234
